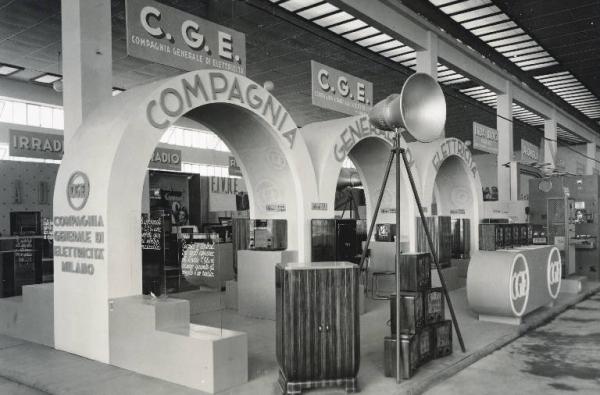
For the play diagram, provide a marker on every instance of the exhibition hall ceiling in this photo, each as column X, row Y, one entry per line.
column 553, row 42
column 282, row 37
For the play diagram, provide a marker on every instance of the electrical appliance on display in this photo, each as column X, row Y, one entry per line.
column 420, row 110
column 385, row 232
column 334, row 240
column 268, row 234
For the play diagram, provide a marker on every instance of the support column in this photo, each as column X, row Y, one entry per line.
column 427, row 59
column 86, row 59
column 550, row 144
column 590, row 163
column 504, row 125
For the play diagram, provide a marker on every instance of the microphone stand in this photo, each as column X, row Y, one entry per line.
column 396, row 153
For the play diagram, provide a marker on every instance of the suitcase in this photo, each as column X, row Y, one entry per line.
column 410, row 356
column 415, row 272
column 442, row 338
column 434, row 304
column 412, row 314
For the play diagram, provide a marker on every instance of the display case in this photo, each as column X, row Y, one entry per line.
column 268, row 234
column 334, row 240
column 317, row 325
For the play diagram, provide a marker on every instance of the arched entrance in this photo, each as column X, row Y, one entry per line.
column 451, row 184
column 331, row 142
column 99, row 182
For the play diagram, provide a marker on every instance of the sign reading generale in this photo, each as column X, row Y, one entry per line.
column 218, row 86
column 166, row 35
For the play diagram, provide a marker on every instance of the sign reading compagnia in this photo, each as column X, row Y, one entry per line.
column 168, row 36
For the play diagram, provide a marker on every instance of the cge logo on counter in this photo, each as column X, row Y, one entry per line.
column 78, row 190
column 554, row 273
column 519, row 285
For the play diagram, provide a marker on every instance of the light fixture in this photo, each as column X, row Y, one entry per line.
column 47, row 78
column 8, row 69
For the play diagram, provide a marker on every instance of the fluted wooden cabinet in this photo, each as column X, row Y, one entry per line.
column 318, row 335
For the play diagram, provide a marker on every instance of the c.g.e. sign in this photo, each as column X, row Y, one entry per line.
column 335, row 90
column 168, row 36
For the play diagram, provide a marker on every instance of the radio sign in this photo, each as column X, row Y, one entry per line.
column 166, row 35
column 165, row 158
column 335, row 90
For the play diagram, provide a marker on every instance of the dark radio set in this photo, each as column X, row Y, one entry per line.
column 424, row 334
column 496, row 236
column 268, row 234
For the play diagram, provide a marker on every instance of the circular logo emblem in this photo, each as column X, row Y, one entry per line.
column 545, row 186
column 519, row 285
column 78, row 190
column 554, row 272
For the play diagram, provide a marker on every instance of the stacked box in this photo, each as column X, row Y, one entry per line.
column 412, row 315
column 495, row 236
column 415, row 272
column 442, row 338
column 434, row 305
column 423, row 331
column 440, row 228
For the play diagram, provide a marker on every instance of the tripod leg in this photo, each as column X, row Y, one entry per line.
column 433, row 253
column 372, row 226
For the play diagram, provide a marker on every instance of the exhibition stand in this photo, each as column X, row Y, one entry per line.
column 505, row 285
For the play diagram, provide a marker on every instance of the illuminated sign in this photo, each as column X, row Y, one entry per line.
column 335, row 90
column 166, row 35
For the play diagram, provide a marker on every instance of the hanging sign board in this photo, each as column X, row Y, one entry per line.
column 234, row 168
column 166, row 158
column 529, row 152
column 335, row 90
column 485, row 138
column 35, row 145
column 166, row 35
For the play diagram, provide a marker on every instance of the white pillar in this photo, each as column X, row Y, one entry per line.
column 86, row 59
column 550, row 144
column 427, row 58
column 590, row 162
column 505, row 141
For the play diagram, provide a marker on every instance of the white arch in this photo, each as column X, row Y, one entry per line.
column 113, row 148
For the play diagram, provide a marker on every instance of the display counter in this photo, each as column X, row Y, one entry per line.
column 206, row 263
column 505, row 285
column 256, row 281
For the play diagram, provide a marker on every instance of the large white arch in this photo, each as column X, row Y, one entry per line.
column 330, row 142
column 448, row 172
column 112, row 149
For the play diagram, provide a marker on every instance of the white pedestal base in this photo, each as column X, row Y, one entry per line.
column 155, row 338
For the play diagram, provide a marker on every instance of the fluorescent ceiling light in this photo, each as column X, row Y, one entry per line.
column 293, row 5
column 318, row 11
column 47, row 78
column 116, row 91
column 7, row 69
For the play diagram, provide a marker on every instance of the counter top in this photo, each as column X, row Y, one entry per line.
column 317, row 265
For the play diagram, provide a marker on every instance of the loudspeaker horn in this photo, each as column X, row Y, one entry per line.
column 420, row 108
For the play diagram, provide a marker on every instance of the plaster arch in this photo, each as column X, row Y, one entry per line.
column 112, row 148
column 451, row 180
column 329, row 144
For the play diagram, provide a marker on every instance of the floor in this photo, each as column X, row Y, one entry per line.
column 55, row 372
column 562, row 357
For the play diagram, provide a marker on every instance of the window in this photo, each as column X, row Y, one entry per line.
column 32, row 114
column 193, row 138
column 205, row 170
